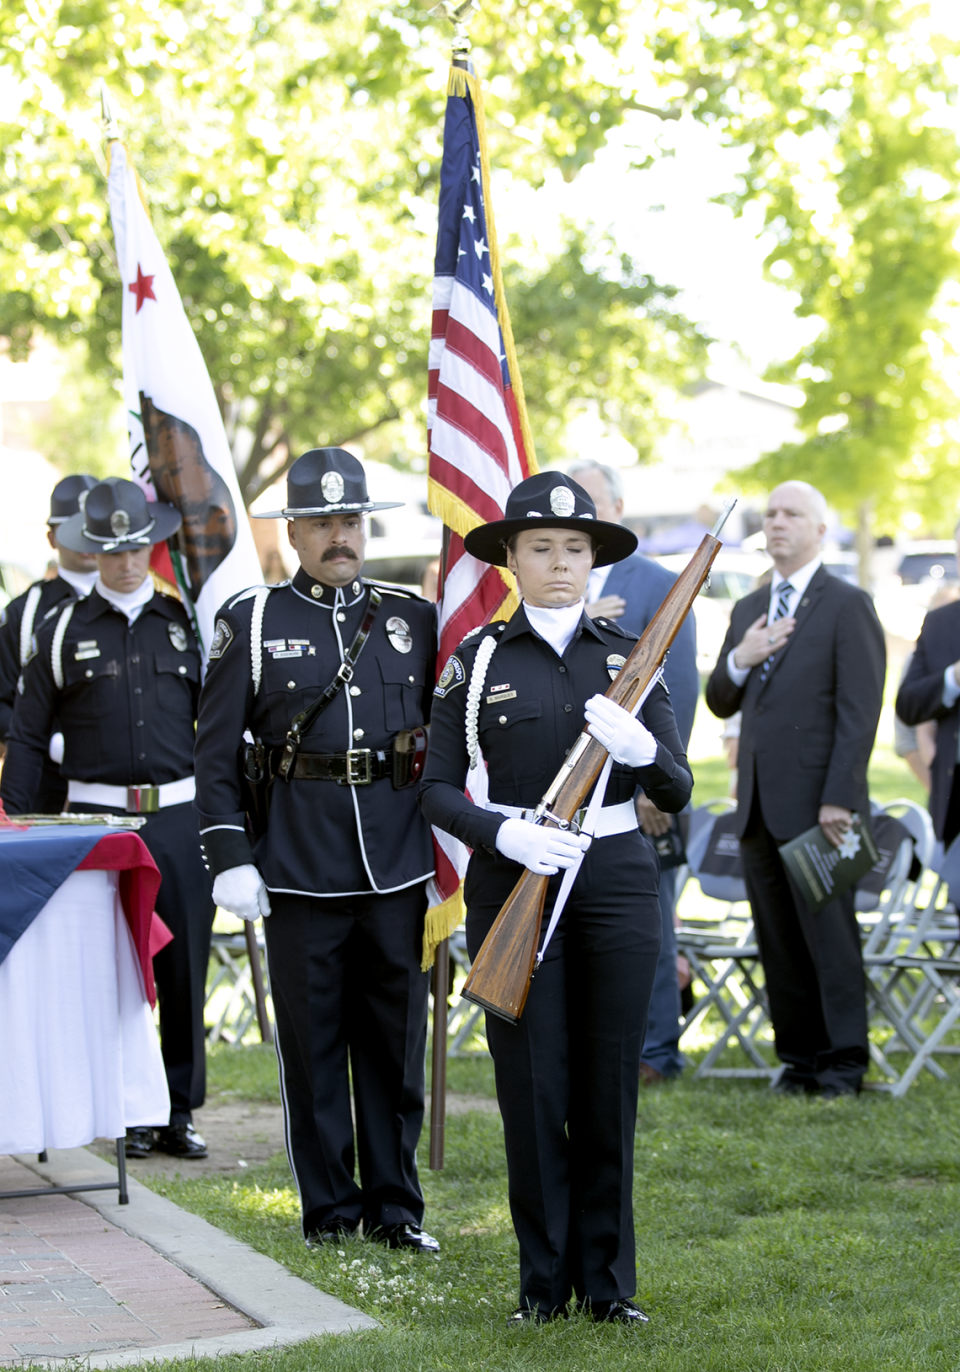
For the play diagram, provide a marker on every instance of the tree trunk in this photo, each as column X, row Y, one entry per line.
column 865, row 543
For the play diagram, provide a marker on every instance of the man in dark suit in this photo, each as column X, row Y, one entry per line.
column 804, row 660
column 931, row 690
column 630, row 593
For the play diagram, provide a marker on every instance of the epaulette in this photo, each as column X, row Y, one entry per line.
column 393, row 588
column 252, row 591
column 496, row 628
column 613, row 627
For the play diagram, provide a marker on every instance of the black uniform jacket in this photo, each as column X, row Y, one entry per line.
column 323, row 838
column 127, row 705
column 921, row 698
column 808, row 730
column 52, row 594
column 531, row 712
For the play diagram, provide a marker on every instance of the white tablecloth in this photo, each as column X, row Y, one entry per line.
column 79, row 1053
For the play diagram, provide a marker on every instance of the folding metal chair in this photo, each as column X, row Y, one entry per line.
column 465, row 1024
column 232, row 978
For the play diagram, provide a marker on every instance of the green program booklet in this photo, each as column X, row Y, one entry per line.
column 823, row 872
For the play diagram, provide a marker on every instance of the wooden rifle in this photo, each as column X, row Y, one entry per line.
column 500, row 977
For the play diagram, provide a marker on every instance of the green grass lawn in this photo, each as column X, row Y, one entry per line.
column 774, row 1234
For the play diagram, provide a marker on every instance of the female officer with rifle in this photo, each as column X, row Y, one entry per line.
column 567, row 1069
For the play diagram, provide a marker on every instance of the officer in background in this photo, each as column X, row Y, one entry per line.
column 75, row 577
column 332, row 677
column 120, row 671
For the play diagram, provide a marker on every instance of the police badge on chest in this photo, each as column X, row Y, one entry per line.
column 398, row 632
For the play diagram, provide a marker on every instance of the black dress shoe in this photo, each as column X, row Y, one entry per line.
column 406, row 1236
column 532, row 1314
column 139, row 1142
column 331, row 1233
column 619, row 1312
column 181, row 1141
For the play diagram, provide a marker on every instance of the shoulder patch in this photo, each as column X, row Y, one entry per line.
column 252, row 591
column 222, row 638
column 452, row 676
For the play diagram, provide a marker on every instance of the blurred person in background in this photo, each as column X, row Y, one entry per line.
column 930, row 694
column 630, row 593
column 72, row 577
column 804, row 661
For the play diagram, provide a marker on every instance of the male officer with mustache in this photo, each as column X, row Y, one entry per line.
column 332, row 677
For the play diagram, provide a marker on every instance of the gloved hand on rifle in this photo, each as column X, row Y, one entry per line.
column 621, row 733
column 240, row 890
column 541, row 848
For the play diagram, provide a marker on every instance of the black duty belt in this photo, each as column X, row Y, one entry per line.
column 356, row 767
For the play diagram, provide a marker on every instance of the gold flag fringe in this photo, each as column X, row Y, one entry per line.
column 440, row 923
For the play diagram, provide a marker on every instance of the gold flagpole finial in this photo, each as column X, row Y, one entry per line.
column 458, row 12
column 111, row 129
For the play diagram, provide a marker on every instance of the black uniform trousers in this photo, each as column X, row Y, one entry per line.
column 567, row 1075
column 185, row 904
column 51, row 797
column 813, row 968
column 351, row 1001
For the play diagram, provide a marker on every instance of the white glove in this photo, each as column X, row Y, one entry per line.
column 624, row 737
column 56, row 748
column 542, row 849
column 241, row 892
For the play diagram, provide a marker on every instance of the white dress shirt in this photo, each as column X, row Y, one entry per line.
column 596, row 582
column 82, row 582
column 799, row 580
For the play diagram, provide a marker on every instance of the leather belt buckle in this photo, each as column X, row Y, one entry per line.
column 143, row 800
column 359, row 771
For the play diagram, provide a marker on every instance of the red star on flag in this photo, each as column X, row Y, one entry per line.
column 142, row 288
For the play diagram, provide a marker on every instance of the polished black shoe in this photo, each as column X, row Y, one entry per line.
column 787, row 1083
column 181, row 1141
column 139, row 1142
column 619, row 1312
column 531, row 1314
column 406, row 1236
column 331, row 1233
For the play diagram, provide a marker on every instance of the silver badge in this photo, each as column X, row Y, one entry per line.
column 331, row 483
column 82, row 501
column 178, row 636
column 562, row 502
column 614, row 662
column 222, row 638
column 398, row 632
column 119, row 523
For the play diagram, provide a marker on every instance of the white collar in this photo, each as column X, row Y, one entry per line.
column 555, row 624
column 799, row 580
column 131, row 603
column 82, row 582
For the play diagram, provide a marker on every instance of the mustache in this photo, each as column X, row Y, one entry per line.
column 341, row 550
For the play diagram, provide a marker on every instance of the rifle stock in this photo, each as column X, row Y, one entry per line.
column 500, row 977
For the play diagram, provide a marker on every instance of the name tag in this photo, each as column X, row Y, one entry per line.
column 501, row 695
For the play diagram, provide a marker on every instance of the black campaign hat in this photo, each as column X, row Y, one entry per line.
column 68, row 496
column 116, row 517
column 327, row 481
column 550, row 500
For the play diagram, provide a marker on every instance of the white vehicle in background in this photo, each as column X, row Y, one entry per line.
column 926, row 574
column 734, row 575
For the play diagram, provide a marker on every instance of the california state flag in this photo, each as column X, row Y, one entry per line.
column 178, row 448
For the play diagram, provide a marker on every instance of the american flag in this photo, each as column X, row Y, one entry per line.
column 479, row 438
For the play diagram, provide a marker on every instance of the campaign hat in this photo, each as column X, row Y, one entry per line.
column 117, row 517
column 68, row 496
column 327, row 481
column 550, row 500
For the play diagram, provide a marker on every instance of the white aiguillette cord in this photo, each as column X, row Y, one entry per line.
column 588, row 827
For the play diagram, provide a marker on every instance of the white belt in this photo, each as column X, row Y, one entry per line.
column 611, row 819
column 133, row 800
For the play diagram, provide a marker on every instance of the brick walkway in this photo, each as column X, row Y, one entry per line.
column 72, row 1284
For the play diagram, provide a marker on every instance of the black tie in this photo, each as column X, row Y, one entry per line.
column 784, row 592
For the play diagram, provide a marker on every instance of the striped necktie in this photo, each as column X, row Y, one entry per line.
column 784, row 592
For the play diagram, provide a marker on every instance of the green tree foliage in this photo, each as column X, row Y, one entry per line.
column 290, row 155
column 841, row 107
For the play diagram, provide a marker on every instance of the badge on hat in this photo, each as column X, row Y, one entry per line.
column 222, row 638
column 398, row 632
column 119, row 523
column 562, row 502
column 178, row 637
column 332, row 487
column 452, row 676
column 614, row 662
